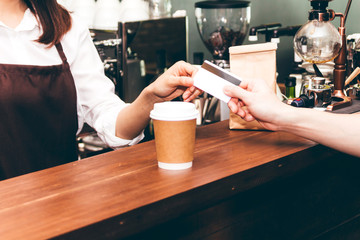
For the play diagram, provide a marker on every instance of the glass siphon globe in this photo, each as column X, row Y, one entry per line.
column 317, row 42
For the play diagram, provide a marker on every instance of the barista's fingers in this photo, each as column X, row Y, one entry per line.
column 175, row 81
column 191, row 89
column 191, row 93
column 183, row 68
column 186, row 95
column 197, row 90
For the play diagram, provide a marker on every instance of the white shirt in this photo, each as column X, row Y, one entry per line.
column 97, row 104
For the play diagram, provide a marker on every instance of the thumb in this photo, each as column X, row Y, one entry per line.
column 236, row 92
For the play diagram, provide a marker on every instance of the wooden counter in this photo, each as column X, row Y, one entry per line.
column 243, row 185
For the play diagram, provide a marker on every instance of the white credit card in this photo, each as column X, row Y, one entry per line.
column 212, row 79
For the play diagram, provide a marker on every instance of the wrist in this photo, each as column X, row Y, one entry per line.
column 288, row 117
column 148, row 97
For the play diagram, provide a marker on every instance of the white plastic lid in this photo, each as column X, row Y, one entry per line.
column 174, row 111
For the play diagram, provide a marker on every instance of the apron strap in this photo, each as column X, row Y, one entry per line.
column 61, row 52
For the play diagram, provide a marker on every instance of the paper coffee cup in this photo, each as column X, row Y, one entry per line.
column 174, row 127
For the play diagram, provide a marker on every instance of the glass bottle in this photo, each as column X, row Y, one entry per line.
column 159, row 8
column 290, row 83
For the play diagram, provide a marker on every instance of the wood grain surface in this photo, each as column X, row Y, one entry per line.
column 123, row 192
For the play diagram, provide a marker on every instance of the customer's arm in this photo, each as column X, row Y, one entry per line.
column 338, row 131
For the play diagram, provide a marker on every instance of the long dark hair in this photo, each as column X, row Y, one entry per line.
column 54, row 19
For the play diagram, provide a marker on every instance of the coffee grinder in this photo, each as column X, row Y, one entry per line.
column 221, row 24
column 318, row 41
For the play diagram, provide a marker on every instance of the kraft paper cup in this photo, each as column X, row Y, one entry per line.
column 174, row 127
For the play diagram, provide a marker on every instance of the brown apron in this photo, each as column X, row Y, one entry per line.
column 38, row 117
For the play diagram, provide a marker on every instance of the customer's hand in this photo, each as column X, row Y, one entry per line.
column 255, row 100
column 176, row 81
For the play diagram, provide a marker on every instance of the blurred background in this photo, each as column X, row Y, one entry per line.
column 286, row 12
column 138, row 40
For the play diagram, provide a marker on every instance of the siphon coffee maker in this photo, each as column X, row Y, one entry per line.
column 318, row 41
column 222, row 24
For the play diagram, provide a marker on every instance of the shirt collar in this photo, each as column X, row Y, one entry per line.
column 28, row 23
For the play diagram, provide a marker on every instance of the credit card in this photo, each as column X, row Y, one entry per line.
column 212, row 79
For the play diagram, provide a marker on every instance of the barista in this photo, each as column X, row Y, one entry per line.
column 52, row 81
column 338, row 131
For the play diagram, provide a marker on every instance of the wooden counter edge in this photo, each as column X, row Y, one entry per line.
column 144, row 218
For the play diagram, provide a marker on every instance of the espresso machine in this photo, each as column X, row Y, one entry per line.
column 133, row 55
column 221, row 24
column 130, row 53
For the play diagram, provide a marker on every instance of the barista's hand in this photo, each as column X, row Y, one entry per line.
column 175, row 81
column 260, row 101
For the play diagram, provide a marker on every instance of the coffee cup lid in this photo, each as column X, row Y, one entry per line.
column 174, row 111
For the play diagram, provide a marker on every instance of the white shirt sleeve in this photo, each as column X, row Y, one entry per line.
column 98, row 105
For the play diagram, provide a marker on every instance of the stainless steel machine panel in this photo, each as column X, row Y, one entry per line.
column 130, row 53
